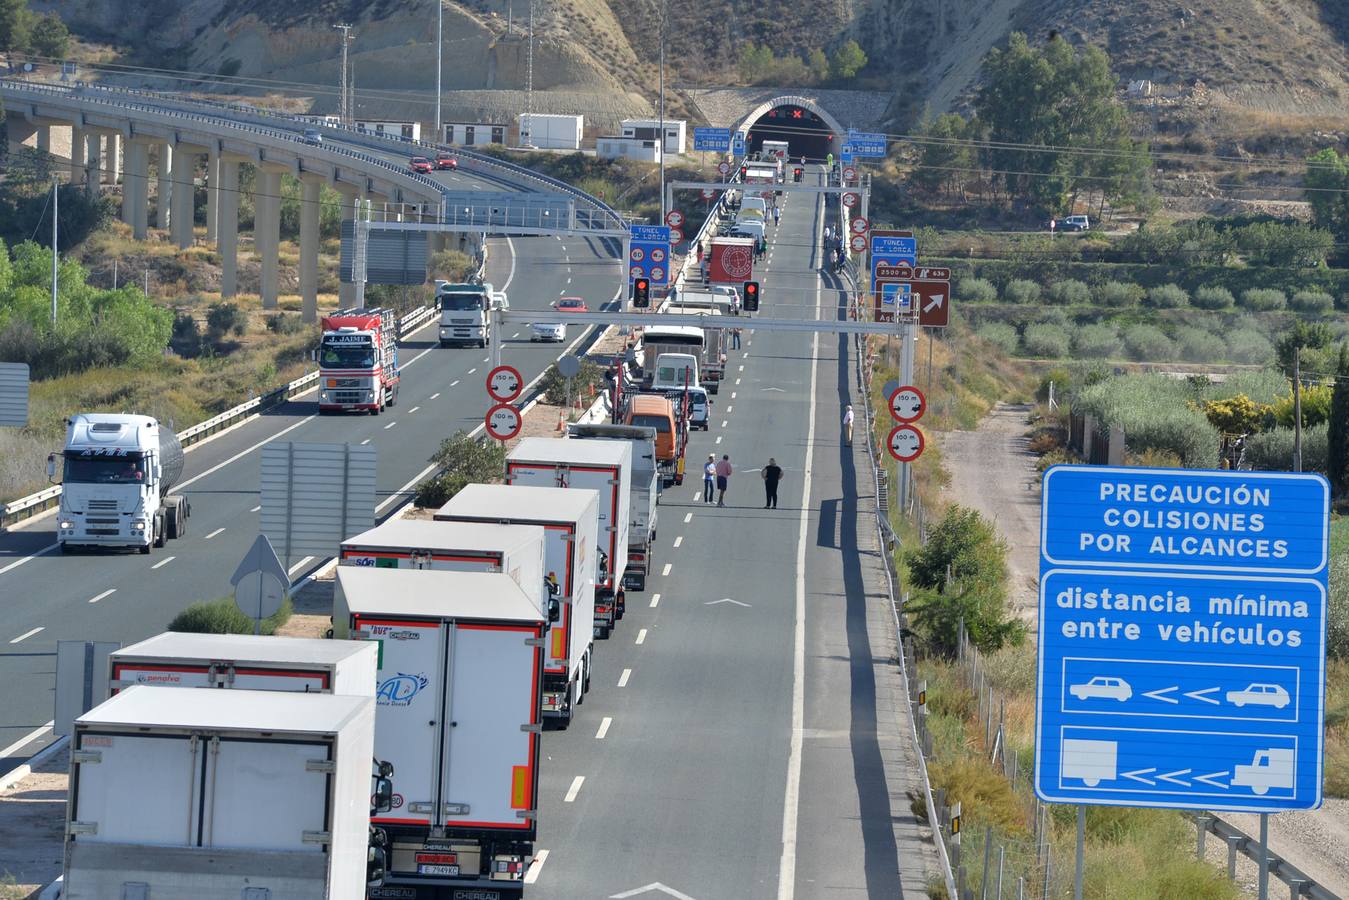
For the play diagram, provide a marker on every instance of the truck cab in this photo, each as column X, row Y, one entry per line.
column 465, row 312
column 358, row 361
column 658, row 412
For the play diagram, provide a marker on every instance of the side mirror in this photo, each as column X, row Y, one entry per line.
column 554, row 610
column 376, row 866
column 385, row 769
column 51, row 466
column 383, row 799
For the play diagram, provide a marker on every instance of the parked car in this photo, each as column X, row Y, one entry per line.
column 1076, row 223
column 446, row 161
column 1260, row 695
column 1102, row 687
column 420, row 164
column 313, row 136
column 571, row 305
column 548, row 331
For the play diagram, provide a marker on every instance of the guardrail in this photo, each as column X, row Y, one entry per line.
column 27, row 507
column 1238, row 841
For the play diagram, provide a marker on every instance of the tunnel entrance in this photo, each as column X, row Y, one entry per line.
column 806, row 133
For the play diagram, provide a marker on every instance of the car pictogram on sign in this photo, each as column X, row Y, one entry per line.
column 907, row 404
column 905, row 443
column 504, row 384
column 503, row 422
column 657, row 255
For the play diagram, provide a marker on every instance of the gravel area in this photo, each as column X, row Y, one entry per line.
column 32, row 816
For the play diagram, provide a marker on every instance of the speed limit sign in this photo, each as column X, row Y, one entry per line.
column 637, row 254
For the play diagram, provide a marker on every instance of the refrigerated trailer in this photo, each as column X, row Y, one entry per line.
column 458, row 714
column 644, row 492
column 217, row 795
column 306, row 665
column 570, row 521
column 603, row 466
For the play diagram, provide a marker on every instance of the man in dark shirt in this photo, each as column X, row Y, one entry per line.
column 772, row 474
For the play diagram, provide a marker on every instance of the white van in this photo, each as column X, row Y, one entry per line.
column 675, row 371
column 757, row 204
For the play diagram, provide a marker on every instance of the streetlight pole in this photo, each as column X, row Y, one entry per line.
column 660, row 138
column 440, row 46
column 55, row 199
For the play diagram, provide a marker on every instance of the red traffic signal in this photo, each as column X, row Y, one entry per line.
column 641, row 293
column 751, row 295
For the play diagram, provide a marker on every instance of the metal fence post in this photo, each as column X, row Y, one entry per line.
column 1202, row 822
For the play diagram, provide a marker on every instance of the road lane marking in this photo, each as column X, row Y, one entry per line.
column 718, row 440
column 470, row 371
column 25, row 740
column 666, row 571
column 256, row 508
column 213, row 534
column 455, row 382
column 574, row 789
column 487, row 359
column 27, row 634
column 390, row 425
column 742, row 368
column 737, row 381
column 163, row 562
column 108, row 593
column 604, row 728
column 510, row 247
column 728, row 409
column 623, row 679
column 413, row 410
column 434, row 396
column 641, row 636
column 655, row 599
column 364, row 442
column 688, row 517
column 679, row 540
column 724, row 423
column 299, row 564
column 532, row 875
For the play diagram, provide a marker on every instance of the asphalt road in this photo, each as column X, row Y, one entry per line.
column 698, row 763
column 46, row 597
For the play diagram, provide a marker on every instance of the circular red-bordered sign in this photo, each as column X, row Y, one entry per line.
column 907, row 404
column 658, row 274
column 859, row 225
column 738, row 262
column 849, row 173
column 636, row 272
column 657, row 254
column 636, row 254
column 503, row 422
column 850, row 199
column 676, row 236
column 905, row 443
column 723, row 167
column 858, row 243
column 674, row 218
column 504, row 384
column 708, row 193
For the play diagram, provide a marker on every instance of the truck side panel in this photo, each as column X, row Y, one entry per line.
column 297, row 799
column 127, row 776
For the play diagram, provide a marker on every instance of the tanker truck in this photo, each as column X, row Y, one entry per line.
column 117, row 473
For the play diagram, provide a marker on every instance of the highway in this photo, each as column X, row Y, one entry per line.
column 46, row 597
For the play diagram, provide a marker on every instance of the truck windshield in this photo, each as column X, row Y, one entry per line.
column 460, row 302
column 104, row 470
column 347, row 356
column 660, row 423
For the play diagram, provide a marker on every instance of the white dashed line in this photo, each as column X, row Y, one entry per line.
column 108, row 593
column 623, row 679
column 213, row 534
column 737, row 381
column 728, row 409
column 390, row 425
column 688, row 517
column 516, row 335
column 641, row 636
column 364, row 442
column 655, row 600
column 604, row 728
column 413, row 410
column 256, row 508
column 742, row 368
column 452, row 384
column 574, row 789
column 470, row 371
column 666, row 571
column 718, row 440
column 434, row 396
column 679, row 540
column 540, row 857
column 27, row 634
column 164, row 562
column 723, row 423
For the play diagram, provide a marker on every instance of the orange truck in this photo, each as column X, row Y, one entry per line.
column 672, row 433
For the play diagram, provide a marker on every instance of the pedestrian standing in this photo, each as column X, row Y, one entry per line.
column 847, row 425
column 723, row 478
column 735, row 338
column 709, row 477
column 772, row 474
column 777, row 216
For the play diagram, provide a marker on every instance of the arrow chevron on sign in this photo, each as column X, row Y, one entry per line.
column 1208, row 779
column 1157, row 694
column 936, row 302
column 1137, row 775
column 1171, row 777
column 1198, row 695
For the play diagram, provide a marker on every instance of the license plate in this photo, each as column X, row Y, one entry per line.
column 428, row 869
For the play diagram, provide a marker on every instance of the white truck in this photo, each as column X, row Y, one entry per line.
column 458, row 714
column 246, row 662
column 217, row 795
column 569, row 518
column 465, row 312
column 116, row 476
column 708, row 344
column 603, row 466
column 646, row 482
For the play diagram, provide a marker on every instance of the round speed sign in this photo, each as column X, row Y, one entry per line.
column 504, row 384
column 708, row 193
column 503, row 422
column 907, row 404
column 905, row 443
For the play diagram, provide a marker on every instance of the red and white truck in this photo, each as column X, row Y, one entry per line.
column 731, row 261
column 358, row 361
column 603, row 466
column 569, row 518
column 458, row 714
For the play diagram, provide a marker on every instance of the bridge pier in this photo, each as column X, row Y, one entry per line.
column 44, row 138
column 212, row 195
column 309, row 247
column 183, row 175
column 136, row 188
column 112, row 157
column 227, row 229
column 93, row 161
column 78, row 145
column 267, row 231
column 164, row 187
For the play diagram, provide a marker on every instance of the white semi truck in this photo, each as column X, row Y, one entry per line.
column 458, row 714
column 217, row 795
column 570, row 522
column 603, row 466
column 117, row 474
column 465, row 312
column 646, row 482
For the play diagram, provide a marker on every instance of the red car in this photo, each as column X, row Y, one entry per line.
column 571, row 305
column 420, row 164
column 446, row 161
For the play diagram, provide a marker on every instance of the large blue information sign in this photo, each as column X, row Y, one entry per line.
column 715, row 139
column 649, row 253
column 892, row 250
column 864, row 144
column 1182, row 638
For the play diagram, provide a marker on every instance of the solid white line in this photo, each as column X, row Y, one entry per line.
column 604, row 728
column 641, row 636
column 452, row 384
column 540, row 857
column 25, row 740
column 299, row 565
column 792, row 795
column 413, row 410
column 27, row 634
column 655, row 599
column 574, row 789
column 364, row 442
column 510, row 247
column 666, row 571
column 164, row 562
column 256, row 508
column 390, row 425
column 434, row 396
column 108, row 593
column 623, row 679
column 679, row 540
column 688, row 517
column 212, row 534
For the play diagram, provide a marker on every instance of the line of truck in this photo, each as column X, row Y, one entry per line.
column 401, row 758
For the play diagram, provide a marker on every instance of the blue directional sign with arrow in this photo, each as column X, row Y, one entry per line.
column 1182, row 638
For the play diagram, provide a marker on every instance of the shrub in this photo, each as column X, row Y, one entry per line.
column 1168, row 296
column 976, row 290
column 284, row 323
column 1156, row 413
column 1019, row 290
column 1001, row 335
column 1263, row 299
column 554, row 386
column 1096, row 342
column 1197, row 345
column 1046, row 341
column 1314, row 302
column 222, row 318
column 1052, row 315
column 1213, row 297
column 1337, row 616
column 1249, row 347
column 222, row 616
column 462, row 460
column 1118, row 294
column 1272, row 451
column 1148, row 343
column 186, row 338
column 1069, row 293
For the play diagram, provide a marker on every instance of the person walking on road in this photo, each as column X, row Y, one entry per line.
column 847, row 425
column 777, row 215
column 723, row 478
column 772, row 474
column 735, row 338
column 709, row 477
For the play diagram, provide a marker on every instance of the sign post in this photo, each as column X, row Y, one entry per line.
column 260, row 582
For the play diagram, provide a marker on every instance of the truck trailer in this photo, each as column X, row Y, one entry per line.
column 458, row 714
column 604, row 467
column 358, row 361
column 644, row 493
column 217, row 795
column 117, row 474
column 569, row 518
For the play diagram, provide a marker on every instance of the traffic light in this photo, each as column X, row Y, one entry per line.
column 641, row 293
column 751, row 296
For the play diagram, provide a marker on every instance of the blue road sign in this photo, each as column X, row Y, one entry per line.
column 649, row 253
column 845, row 155
column 1182, row 638
column 889, row 250
column 866, row 144
column 715, row 139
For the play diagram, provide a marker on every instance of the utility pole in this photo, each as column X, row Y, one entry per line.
column 55, row 254
column 440, row 46
column 1297, row 409
column 660, row 138
column 526, row 138
column 344, row 112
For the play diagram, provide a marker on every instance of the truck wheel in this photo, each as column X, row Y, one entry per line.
column 145, row 550
column 159, row 527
